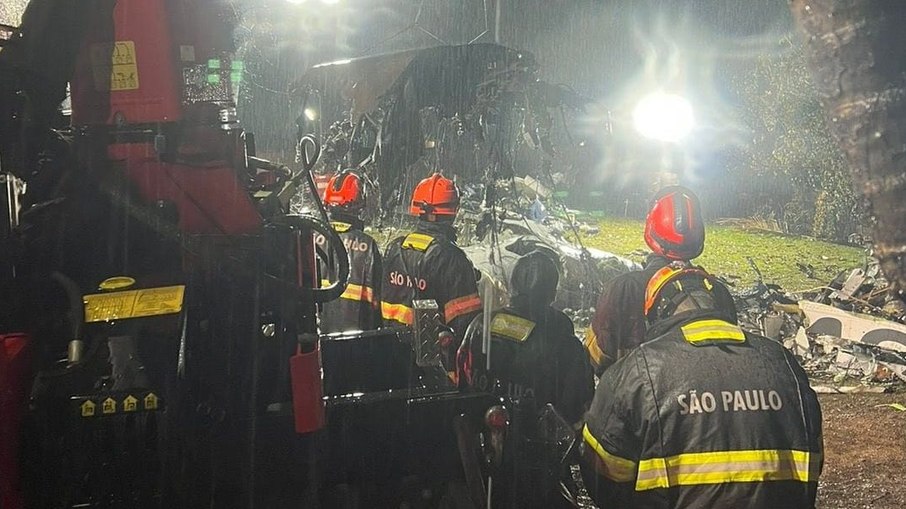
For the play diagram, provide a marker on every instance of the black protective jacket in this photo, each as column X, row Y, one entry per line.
column 533, row 355
column 704, row 416
column 427, row 264
column 618, row 325
column 358, row 308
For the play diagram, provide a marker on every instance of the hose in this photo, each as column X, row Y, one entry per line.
column 332, row 292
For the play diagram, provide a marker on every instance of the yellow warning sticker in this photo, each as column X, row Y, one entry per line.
column 130, row 403
column 151, row 401
column 105, row 307
column 108, row 406
column 88, row 408
column 114, row 66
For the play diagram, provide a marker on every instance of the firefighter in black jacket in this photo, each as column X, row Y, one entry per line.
column 536, row 359
column 702, row 415
column 534, row 350
column 674, row 230
column 427, row 264
column 358, row 308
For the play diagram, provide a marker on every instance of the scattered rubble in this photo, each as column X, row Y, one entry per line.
column 848, row 389
column 494, row 238
column 849, row 335
column 583, row 270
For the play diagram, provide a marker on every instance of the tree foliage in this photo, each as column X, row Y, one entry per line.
column 796, row 168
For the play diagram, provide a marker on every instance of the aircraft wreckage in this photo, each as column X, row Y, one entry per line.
column 479, row 114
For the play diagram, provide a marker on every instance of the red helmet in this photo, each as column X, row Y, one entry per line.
column 345, row 191
column 436, row 195
column 674, row 227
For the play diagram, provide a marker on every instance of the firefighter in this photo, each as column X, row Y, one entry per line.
column 534, row 352
column 427, row 264
column 674, row 230
column 701, row 414
column 358, row 308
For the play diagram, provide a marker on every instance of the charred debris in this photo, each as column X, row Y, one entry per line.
column 480, row 114
column 850, row 334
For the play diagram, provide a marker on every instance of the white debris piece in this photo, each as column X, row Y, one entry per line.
column 828, row 320
column 800, row 344
column 531, row 187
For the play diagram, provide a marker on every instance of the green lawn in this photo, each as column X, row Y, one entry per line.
column 726, row 249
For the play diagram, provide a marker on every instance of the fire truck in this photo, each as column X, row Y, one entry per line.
column 159, row 334
column 159, row 341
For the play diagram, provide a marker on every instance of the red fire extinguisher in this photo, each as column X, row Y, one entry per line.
column 306, row 376
column 305, row 365
column 14, row 376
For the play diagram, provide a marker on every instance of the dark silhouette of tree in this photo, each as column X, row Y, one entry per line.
column 803, row 179
column 856, row 50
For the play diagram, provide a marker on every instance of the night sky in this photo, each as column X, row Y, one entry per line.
column 610, row 51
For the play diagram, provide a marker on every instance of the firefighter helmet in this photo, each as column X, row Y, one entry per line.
column 345, row 192
column 435, row 196
column 680, row 285
column 674, row 227
column 535, row 276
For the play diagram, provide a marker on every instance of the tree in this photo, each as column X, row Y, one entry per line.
column 856, row 51
column 794, row 165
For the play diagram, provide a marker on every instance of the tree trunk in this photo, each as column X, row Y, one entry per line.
column 856, row 50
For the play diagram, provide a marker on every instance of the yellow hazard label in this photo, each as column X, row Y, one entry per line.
column 151, row 401
column 114, row 66
column 116, row 283
column 108, row 406
column 130, row 403
column 88, row 408
column 105, row 307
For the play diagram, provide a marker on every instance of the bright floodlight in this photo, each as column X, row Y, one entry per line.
column 325, row 2
column 310, row 114
column 665, row 117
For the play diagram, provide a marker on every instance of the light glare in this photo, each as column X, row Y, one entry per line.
column 664, row 117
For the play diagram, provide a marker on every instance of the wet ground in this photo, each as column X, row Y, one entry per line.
column 865, row 452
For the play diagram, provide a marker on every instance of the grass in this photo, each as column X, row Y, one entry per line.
column 726, row 249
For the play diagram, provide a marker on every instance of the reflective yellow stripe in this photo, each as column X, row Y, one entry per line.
column 354, row 292
column 461, row 306
column 594, row 350
column 511, row 327
column 613, row 467
column 417, row 241
column 705, row 330
column 715, row 335
column 340, row 227
column 358, row 293
column 728, row 466
column 705, row 324
column 398, row 312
